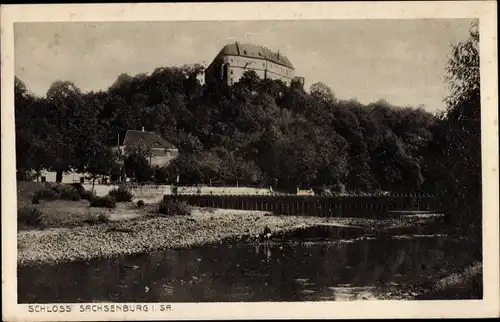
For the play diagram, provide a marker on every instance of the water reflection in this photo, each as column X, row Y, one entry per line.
column 328, row 270
column 266, row 251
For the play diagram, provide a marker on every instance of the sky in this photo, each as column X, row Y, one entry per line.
column 400, row 61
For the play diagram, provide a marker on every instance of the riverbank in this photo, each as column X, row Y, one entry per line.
column 464, row 284
column 150, row 233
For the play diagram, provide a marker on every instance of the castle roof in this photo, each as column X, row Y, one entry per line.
column 255, row 51
column 146, row 138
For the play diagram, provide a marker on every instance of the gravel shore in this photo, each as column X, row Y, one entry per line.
column 145, row 234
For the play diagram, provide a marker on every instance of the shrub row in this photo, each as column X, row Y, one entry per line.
column 103, row 202
column 121, row 194
column 76, row 192
column 173, row 208
column 54, row 191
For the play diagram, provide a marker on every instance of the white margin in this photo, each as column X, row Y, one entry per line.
column 484, row 10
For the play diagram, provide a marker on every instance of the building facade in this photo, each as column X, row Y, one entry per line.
column 234, row 59
column 161, row 152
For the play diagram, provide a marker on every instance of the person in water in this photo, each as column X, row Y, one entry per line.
column 267, row 233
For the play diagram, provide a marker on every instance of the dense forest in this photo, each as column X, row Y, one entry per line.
column 262, row 132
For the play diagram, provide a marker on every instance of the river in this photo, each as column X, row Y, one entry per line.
column 312, row 264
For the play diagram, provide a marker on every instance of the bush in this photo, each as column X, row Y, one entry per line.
column 96, row 219
column 140, row 203
column 103, row 217
column 67, row 192
column 53, row 191
column 46, row 193
column 121, row 194
column 88, row 195
column 84, row 194
column 29, row 216
column 103, row 202
column 172, row 208
column 79, row 188
column 55, row 186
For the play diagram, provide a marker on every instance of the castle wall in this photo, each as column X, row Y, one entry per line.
column 277, row 71
column 231, row 63
column 237, row 65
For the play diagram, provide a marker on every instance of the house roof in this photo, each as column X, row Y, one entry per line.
column 255, row 51
column 146, row 138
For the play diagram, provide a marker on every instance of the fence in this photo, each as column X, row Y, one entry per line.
column 338, row 206
column 157, row 191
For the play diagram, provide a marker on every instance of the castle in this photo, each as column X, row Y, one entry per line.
column 234, row 59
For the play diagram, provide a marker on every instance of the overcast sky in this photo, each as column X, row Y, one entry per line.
column 401, row 61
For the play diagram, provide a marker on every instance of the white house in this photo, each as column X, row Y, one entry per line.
column 161, row 150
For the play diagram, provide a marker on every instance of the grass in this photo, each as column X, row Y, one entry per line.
column 63, row 214
column 72, row 214
column 60, row 213
column 93, row 218
column 60, row 206
column 29, row 217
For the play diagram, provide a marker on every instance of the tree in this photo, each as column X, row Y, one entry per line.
column 211, row 166
column 136, row 164
column 103, row 162
column 248, row 81
column 161, row 174
column 29, row 146
column 255, row 132
column 187, row 167
column 322, row 92
column 65, row 125
column 462, row 125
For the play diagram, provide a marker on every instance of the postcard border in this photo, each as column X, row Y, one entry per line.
column 484, row 10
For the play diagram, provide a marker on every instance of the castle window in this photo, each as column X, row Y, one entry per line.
column 245, row 52
column 231, row 72
column 224, row 71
